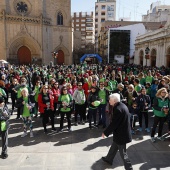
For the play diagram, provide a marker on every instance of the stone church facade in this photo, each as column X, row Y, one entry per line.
column 31, row 30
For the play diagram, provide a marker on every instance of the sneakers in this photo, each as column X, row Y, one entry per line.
column 70, row 130
column 153, row 139
column 4, row 156
column 76, row 124
column 147, row 130
column 83, row 123
column 31, row 134
column 161, row 138
column 140, row 129
column 61, row 130
column 132, row 132
column 24, row 134
column 53, row 129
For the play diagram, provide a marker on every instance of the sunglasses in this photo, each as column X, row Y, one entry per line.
column 55, row 84
column 45, row 88
column 79, row 85
column 64, row 89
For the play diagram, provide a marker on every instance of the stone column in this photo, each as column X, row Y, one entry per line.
column 5, row 35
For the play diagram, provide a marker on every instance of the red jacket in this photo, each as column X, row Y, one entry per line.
column 42, row 106
column 86, row 88
column 56, row 94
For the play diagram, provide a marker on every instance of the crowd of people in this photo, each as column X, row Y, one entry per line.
column 83, row 90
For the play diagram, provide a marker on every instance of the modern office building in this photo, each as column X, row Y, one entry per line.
column 105, row 10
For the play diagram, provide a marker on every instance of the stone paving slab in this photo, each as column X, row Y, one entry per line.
column 81, row 149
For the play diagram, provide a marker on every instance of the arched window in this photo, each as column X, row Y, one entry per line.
column 59, row 18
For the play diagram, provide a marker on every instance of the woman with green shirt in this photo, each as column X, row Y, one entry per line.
column 26, row 104
column 161, row 106
column 65, row 101
column 36, row 93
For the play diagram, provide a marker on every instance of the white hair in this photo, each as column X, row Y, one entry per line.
column 115, row 96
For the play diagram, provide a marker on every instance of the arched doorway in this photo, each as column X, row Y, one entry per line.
column 141, row 56
column 60, row 58
column 168, row 58
column 24, row 55
column 153, row 58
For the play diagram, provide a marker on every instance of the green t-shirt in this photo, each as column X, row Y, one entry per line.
column 114, row 84
column 26, row 112
column 19, row 92
column 2, row 92
column 37, row 91
column 149, row 79
column 65, row 98
column 138, row 88
column 102, row 95
column 142, row 81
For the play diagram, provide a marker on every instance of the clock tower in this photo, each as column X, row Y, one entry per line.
column 31, row 30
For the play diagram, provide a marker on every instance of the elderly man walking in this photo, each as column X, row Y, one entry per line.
column 120, row 127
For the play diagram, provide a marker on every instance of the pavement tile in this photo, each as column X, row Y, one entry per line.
column 58, row 160
column 33, row 159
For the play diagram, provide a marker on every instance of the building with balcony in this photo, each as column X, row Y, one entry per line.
column 83, row 22
column 31, row 31
column 105, row 10
column 158, row 42
column 157, row 13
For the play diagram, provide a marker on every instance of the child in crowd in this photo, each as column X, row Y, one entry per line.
column 134, row 116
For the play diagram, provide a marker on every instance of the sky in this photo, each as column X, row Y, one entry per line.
column 124, row 8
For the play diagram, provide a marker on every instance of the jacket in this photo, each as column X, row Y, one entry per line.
column 120, row 125
column 56, row 94
column 91, row 98
column 78, row 97
column 158, row 104
column 141, row 100
column 20, row 105
column 42, row 106
column 13, row 93
column 4, row 117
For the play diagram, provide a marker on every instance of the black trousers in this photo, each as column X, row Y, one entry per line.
column 4, row 135
column 92, row 112
column 18, row 112
column 122, row 150
column 81, row 110
column 13, row 103
column 45, row 118
column 161, row 121
column 140, row 115
column 68, row 115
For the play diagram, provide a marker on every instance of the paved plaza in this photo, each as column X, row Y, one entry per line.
column 80, row 149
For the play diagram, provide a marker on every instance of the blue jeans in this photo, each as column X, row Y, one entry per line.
column 102, row 114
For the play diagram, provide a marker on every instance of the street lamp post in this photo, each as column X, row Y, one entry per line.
column 55, row 55
column 147, row 50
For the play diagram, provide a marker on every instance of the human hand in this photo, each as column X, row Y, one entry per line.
column 92, row 103
column 23, row 102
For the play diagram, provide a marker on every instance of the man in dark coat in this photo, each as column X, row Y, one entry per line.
column 120, row 127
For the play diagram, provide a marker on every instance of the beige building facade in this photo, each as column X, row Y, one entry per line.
column 158, row 42
column 31, row 30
